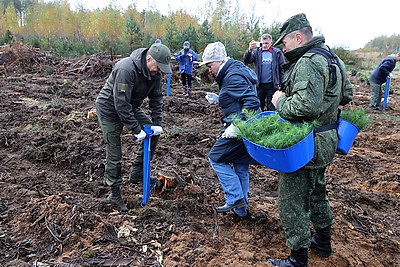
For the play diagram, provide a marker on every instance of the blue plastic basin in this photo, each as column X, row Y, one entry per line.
column 285, row 160
column 347, row 133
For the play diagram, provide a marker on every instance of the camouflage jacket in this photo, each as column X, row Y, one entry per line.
column 308, row 96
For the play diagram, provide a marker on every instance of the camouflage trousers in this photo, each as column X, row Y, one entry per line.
column 112, row 131
column 303, row 199
column 376, row 96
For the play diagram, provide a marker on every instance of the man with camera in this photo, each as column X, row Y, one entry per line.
column 268, row 65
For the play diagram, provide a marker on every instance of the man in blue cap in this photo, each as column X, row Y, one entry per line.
column 185, row 57
column 312, row 93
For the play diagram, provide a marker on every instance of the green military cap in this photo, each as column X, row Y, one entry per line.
column 162, row 55
column 292, row 24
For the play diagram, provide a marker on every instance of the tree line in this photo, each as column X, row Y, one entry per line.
column 54, row 26
column 388, row 44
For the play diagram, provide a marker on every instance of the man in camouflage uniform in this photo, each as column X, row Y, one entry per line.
column 310, row 93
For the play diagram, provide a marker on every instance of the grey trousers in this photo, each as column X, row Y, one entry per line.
column 376, row 96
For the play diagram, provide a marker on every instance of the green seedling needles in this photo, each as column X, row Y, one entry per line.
column 271, row 131
column 356, row 116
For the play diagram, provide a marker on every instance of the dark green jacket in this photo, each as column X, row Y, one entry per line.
column 309, row 98
column 125, row 90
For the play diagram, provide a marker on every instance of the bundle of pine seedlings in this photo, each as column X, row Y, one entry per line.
column 356, row 116
column 271, row 131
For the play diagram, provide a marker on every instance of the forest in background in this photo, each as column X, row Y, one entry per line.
column 55, row 27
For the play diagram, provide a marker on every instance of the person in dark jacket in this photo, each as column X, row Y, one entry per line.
column 310, row 96
column 185, row 57
column 268, row 65
column 228, row 156
column 378, row 77
column 132, row 80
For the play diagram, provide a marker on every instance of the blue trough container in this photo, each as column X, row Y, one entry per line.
column 347, row 132
column 285, row 160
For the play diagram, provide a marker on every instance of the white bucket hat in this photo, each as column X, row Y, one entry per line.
column 214, row 52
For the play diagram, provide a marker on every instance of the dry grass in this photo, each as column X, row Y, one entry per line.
column 371, row 59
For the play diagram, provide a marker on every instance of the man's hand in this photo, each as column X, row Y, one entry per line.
column 157, row 130
column 230, row 132
column 252, row 45
column 140, row 136
column 212, row 98
column 276, row 96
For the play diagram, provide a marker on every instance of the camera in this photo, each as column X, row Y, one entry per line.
column 259, row 44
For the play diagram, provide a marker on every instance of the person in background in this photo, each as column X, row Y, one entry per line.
column 378, row 77
column 310, row 94
column 228, row 156
column 132, row 80
column 268, row 64
column 185, row 57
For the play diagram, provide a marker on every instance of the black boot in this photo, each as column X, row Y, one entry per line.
column 297, row 258
column 321, row 242
column 115, row 196
column 137, row 175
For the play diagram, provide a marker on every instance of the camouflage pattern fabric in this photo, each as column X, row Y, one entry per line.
column 302, row 194
column 303, row 198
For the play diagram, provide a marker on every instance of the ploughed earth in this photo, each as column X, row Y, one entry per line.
column 53, row 207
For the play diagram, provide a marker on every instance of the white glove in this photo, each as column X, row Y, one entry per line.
column 157, row 130
column 212, row 98
column 140, row 136
column 390, row 75
column 230, row 132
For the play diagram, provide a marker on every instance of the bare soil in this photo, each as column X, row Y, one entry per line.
column 53, row 207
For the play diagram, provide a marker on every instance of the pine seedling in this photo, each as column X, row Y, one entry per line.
column 272, row 132
column 356, row 116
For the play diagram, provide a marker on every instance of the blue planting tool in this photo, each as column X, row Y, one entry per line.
column 168, row 84
column 146, row 164
column 386, row 94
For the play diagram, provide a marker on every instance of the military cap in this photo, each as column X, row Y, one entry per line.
column 292, row 24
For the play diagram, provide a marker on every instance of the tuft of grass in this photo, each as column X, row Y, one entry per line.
column 271, row 131
column 88, row 254
column 356, row 116
column 226, row 234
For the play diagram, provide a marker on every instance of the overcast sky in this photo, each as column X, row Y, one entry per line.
column 346, row 23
